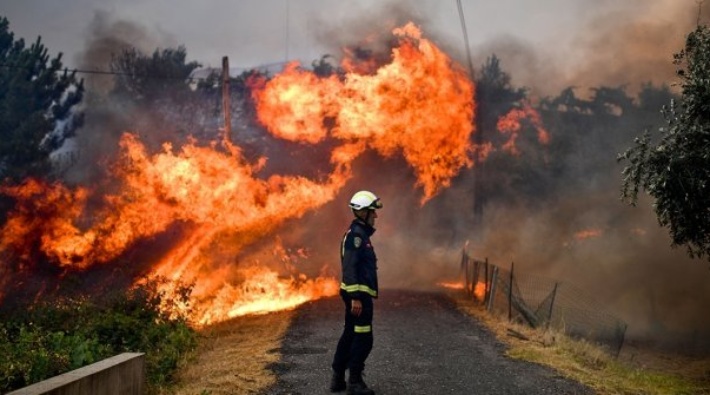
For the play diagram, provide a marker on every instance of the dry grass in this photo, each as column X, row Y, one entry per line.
column 591, row 365
column 694, row 368
column 234, row 356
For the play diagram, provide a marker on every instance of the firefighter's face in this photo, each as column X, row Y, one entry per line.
column 368, row 216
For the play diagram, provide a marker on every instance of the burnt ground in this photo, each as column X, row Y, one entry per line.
column 423, row 345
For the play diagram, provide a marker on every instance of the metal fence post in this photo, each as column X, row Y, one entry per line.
column 552, row 303
column 476, row 276
column 510, row 293
column 491, row 296
column 464, row 269
column 573, row 321
column 621, row 342
column 486, row 287
column 468, row 275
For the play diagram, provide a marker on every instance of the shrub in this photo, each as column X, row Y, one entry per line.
column 48, row 339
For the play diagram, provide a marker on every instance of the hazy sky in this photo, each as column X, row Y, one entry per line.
column 580, row 42
column 253, row 32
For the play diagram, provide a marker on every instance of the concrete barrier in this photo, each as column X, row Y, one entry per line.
column 123, row 374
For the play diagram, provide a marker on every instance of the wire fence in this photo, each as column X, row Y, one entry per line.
column 541, row 302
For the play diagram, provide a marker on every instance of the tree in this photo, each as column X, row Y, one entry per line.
column 146, row 79
column 675, row 171
column 37, row 106
column 607, row 100
column 495, row 97
column 652, row 99
column 155, row 95
column 324, row 68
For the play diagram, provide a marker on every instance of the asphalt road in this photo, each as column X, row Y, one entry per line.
column 423, row 345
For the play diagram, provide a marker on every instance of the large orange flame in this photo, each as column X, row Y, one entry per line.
column 216, row 192
column 420, row 105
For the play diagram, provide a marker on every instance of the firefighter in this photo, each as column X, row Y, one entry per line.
column 357, row 289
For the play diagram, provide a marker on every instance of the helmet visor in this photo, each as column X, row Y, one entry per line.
column 377, row 204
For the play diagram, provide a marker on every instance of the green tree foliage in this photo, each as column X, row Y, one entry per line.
column 164, row 75
column 675, row 171
column 37, row 105
column 156, row 96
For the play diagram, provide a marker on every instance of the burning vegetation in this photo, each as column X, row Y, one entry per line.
column 250, row 219
column 200, row 214
column 158, row 197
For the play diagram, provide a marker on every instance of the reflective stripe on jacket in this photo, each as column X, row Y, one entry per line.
column 359, row 262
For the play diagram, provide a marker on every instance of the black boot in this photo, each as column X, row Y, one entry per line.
column 356, row 386
column 337, row 382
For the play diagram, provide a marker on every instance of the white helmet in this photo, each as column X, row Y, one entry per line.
column 365, row 199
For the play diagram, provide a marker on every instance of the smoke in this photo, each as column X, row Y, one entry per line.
column 625, row 259
column 633, row 46
column 531, row 221
column 363, row 27
column 108, row 116
column 97, row 142
column 525, row 63
column 108, row 37
column 624, row 44
column 627, row 263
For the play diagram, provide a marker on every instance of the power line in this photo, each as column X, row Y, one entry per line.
column 104, row 72
column 107, row 72
column 288, row 17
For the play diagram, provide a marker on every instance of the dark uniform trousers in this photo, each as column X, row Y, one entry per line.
column 355, row 343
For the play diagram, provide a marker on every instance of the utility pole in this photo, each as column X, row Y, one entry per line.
column 226, row 104
column 477, row 138
column 288, row 27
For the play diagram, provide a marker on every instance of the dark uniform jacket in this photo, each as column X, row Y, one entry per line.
column 359, row 262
